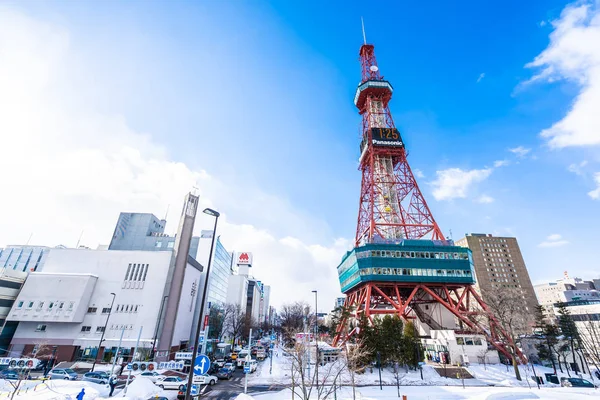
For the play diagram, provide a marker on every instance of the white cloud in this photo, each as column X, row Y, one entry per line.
column 595, row 194
column 501, row 163
column 574, row 54
column 577, row 168
column 481, row 76
column 418, row 173
column 454, row 183
column 70, row 168
column 484, row 199
column 554, row 240
column 520, row 151
column 543, row 23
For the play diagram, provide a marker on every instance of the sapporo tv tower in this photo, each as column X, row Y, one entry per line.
column 401, row 264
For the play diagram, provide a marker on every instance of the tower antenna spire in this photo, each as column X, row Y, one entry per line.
column 362, row 22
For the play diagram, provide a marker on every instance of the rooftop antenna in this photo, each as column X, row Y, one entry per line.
column 79, row 240
column 167, row 213
column 362, row 22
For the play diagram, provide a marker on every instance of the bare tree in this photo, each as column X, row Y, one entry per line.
column 507, row 307
column 234, row 323
column 482, row 356
column 293, row 317
column 356, row 357
column 589, row 336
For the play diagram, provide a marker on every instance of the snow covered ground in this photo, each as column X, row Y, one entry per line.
column 450, row 393
column 139, row 389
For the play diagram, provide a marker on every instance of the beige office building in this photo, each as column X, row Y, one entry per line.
column 499, row 264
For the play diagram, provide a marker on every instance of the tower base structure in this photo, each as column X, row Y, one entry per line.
column 411, row 301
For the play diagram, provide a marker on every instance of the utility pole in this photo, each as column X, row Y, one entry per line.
column 117, row 355
column 133, row 358
column 247, row 359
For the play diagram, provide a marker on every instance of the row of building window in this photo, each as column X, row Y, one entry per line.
column 413, row 254
column 93, row 310
column 123, row 308
column 469, row 341
column 87, row 328
column 58, row 305
column 414, row 272
column 136, row 272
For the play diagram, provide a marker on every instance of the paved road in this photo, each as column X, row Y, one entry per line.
column 225, row 390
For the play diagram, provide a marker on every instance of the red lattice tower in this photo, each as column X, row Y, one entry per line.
column 394, row 221
column 391, row 203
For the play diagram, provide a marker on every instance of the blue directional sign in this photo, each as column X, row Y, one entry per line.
column 195, row 390
column 201, row 365
column 272, row 337
column 246, row 369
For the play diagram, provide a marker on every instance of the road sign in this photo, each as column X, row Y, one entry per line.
column 201, row 338
column 170, row 365
column 272, row 337
column 246, row 369
column 201, row 365
column 195, row 390
column 183, row 355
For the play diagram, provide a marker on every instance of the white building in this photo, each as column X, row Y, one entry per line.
column 564, row 290
column 459, row 348
column 67, row 305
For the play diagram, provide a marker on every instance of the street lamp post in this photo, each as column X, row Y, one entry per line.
column 316, row 343
column 156, row 330
column 188, row 392
column 104, row 330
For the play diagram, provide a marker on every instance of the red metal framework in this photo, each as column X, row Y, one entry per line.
column 405, row 299
column 391, row 204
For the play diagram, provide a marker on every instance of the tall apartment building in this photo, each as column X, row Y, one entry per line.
column 498, row 265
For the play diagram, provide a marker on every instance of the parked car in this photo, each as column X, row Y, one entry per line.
column 63, row 373
column 241, row 358
column 252, row 364
column 152, row 375
column 10, row 375
column 576, row 382
column 100, row 377
column 230, row 366
column 205, row 379
column 170, row 382
column 224, row 373
column 219, row 362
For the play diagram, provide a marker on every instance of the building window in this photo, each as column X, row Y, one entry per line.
column 50, row 305
column 106, row 310
column 30, row 305
column 136, row 307
column 20, row 304
column 92, row 310
column 71, row 304
column 146, row 272
column 61, row 305
column 158, row 244
column 127, row 308
column 99, row 329
column 40, row 305
column 86, row 328
column 40, row 328
column 170, row 245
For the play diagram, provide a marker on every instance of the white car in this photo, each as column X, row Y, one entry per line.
column 205, row 379
column 252, row 364
column 152, row 375
column 170, row 382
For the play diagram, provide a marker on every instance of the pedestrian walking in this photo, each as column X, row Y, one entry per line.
column 81, row 394
column 112, row 383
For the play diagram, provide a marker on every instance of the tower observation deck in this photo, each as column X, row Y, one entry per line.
column 401, row 263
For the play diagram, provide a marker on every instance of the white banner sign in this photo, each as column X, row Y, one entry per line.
column 171, row 365
column 183, row 356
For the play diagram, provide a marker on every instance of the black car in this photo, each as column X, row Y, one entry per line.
column 10, row 375
column 575, row 382
column 225, row 373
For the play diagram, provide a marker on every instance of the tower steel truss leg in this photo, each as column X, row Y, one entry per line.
column 381, row 298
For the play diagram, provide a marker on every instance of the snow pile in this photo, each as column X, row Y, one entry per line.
column 243, row 396
column 58, row 390
column 141, row 389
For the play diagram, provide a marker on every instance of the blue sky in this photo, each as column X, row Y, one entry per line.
column 258, row 96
